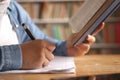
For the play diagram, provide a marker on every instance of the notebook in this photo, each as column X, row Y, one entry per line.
column 59, row 64
column 89, row 16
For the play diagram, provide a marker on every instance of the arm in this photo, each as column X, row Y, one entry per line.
column 44, row 53
column 10, row 57
column 60, row 45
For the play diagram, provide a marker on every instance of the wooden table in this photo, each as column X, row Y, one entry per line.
column 88, row 65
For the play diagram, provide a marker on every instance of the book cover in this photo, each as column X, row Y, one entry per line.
column 105, row 34
column 111, row 32
column 117, row 32
column 89, row 16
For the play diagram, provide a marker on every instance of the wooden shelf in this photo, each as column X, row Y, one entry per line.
column 66, row 21
column 51, row 21
column 21, row 1
column 105, row 46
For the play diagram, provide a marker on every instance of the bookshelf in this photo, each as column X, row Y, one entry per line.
column 22, row 1
column 109, row 38
column 52, row 17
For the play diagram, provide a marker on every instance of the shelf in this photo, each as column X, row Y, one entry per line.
column 21, row 1
column 113, row 19
column 97, row 46
column 51, row 21
column 66, row 21
column 105, row 46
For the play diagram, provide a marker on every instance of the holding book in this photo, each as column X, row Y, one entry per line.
column 18, row 51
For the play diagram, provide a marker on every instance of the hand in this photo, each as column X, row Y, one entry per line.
column 36, row 54
column 82, row 48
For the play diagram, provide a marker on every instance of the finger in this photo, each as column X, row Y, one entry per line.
column 73, row 35
column 45, row 63
column 49, row 55
column 50, row 47
column 84, row 49
column 99, row 29
column 90, row 39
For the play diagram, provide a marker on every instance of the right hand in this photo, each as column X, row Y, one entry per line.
column 36, row 54
column 82, row 48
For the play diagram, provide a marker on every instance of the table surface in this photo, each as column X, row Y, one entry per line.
column 88, row 65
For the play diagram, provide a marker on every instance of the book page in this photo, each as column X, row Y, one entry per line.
column 84, row 14
column 59, row 64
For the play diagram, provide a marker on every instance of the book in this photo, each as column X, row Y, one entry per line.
column 28, row 7
column 111, row 32
column 48, row 10
column 117, row 33
column 105, row 35
column 59, row 64
column 89, row 16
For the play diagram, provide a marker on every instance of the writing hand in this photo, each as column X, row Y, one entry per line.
column 36, row 54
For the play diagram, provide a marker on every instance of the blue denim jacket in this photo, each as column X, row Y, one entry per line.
column 10, row 56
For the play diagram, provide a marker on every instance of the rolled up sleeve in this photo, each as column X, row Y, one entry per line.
column 10, row 57
column 61, row 49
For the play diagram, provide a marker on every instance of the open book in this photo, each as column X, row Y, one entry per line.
column 89, row 16
column 57, row 65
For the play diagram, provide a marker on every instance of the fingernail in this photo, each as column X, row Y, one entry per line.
column 88, row 37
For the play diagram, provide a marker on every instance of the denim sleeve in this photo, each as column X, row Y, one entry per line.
column 61, row 49
column 10, row 57
column 24, row 17
column 38, row 34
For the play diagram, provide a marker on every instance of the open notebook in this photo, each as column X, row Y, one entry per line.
column 57, row 65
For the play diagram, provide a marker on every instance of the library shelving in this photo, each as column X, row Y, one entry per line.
column 52, row 17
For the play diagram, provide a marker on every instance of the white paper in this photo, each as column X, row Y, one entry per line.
column 58, row 65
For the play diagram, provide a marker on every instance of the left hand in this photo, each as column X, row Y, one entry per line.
column 82, row 48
